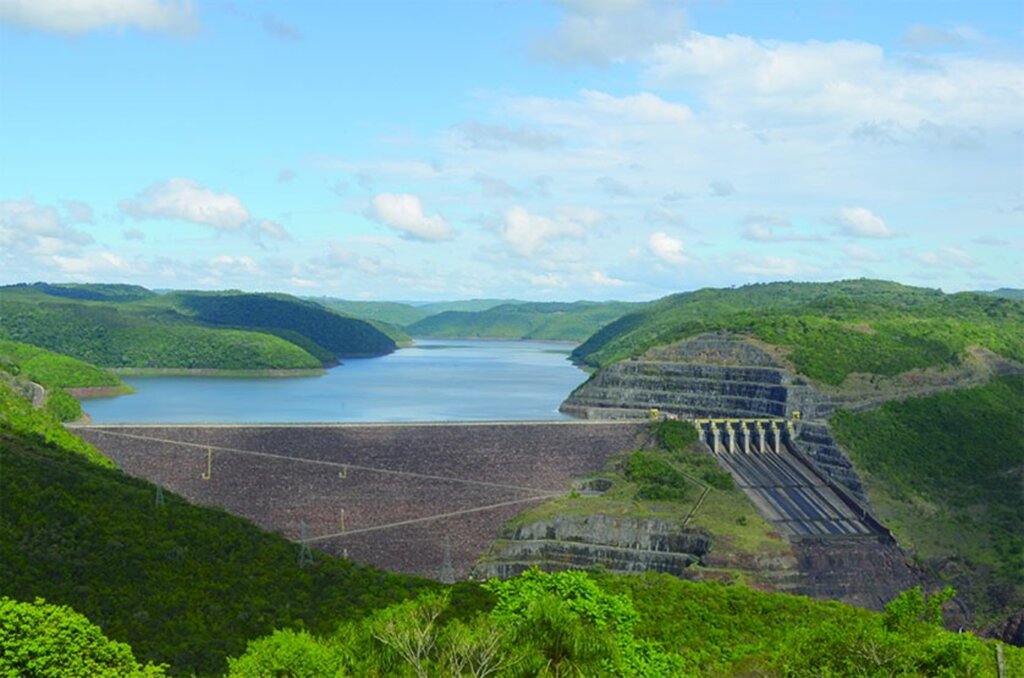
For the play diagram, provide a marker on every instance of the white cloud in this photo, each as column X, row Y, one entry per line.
column 271, row 229
column 187, row 200
column 644, row 107
column 608, row 31
column 947, row 257
column 860, row 222
column 74, row 17
column 226, row 264
column 498, row 137
column 26, row 226
column 403, row 212
column 774, row 267
column 922, row 35
column 546, row 280
column 77, row 211
column 665, row 215
column 92, row 264
column 599, row 278
column 667, row 248
column 765, row 81
column 494, row 187
column 339, row 256
column 771, row 228
column 861, row 253
column 526, row 233
column 133, row 234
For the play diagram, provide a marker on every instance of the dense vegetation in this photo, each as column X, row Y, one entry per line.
column 339, row 335
column 830, row 329
column 105, row 335
column 87, row 291
column 946, row 473
column 577, row 624
column 182, row 584
column 135, row 328
column 1007, row 293
column 552, row 321
column 54, row 641
column 24, row 363
column 390, row 312
column 399, row 315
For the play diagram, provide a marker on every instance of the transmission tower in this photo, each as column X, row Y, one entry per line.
column 159, row 496
column 305, row 555
column 447, row 573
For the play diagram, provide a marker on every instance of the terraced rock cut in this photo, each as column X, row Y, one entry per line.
column 388, row 495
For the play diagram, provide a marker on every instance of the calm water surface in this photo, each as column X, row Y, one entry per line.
column 435, row 380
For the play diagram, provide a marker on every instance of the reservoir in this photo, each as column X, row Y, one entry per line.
column 434, row 380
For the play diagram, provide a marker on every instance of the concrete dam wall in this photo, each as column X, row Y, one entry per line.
column 388, row 495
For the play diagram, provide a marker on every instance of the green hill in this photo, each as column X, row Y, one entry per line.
column 341, row 336
column 828, row 329
column 389, row 312
column 471, row 305
column 946, row 473
column 105, row 335
column 23, row 363
column 88, row 291
column 182, row 584
column 188, row 330
column 1006, row 293
column 528, row 320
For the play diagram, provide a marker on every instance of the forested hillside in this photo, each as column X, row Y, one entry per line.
column 552, row 321
column 946, row 474
column 215, row 330
column 339, row 335
column 182, row 584
column 828, row 330
column 22, row 365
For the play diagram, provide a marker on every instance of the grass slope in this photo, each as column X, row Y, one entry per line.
column 946, row 473
column 553, row 321
column 182, row 584
column 830, row 329
column 668, row 480
column 23, row 363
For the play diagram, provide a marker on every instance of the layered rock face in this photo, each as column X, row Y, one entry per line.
column 616, row 543
column 717, row 376
column 843, row 553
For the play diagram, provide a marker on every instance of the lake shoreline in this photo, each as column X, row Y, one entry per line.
column 216, row 372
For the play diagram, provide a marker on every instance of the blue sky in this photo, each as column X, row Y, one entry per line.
column 563, row 150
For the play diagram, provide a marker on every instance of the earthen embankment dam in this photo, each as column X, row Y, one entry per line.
column 423, row 499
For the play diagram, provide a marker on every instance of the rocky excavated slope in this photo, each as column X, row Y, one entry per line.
column 723, row 376
column 720, row 376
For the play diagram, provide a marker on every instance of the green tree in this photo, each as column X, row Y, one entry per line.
column 42, row 640
column 287, row 654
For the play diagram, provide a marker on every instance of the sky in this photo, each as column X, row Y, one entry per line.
column 581, row 149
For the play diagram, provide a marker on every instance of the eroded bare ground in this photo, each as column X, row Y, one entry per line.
column 382, row 494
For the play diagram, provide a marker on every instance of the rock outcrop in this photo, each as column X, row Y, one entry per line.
column 620, row 544
column 718, row 375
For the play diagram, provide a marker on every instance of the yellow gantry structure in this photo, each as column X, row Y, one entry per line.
column 737, row 435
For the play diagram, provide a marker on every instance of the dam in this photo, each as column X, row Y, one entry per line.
column 424, row 499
